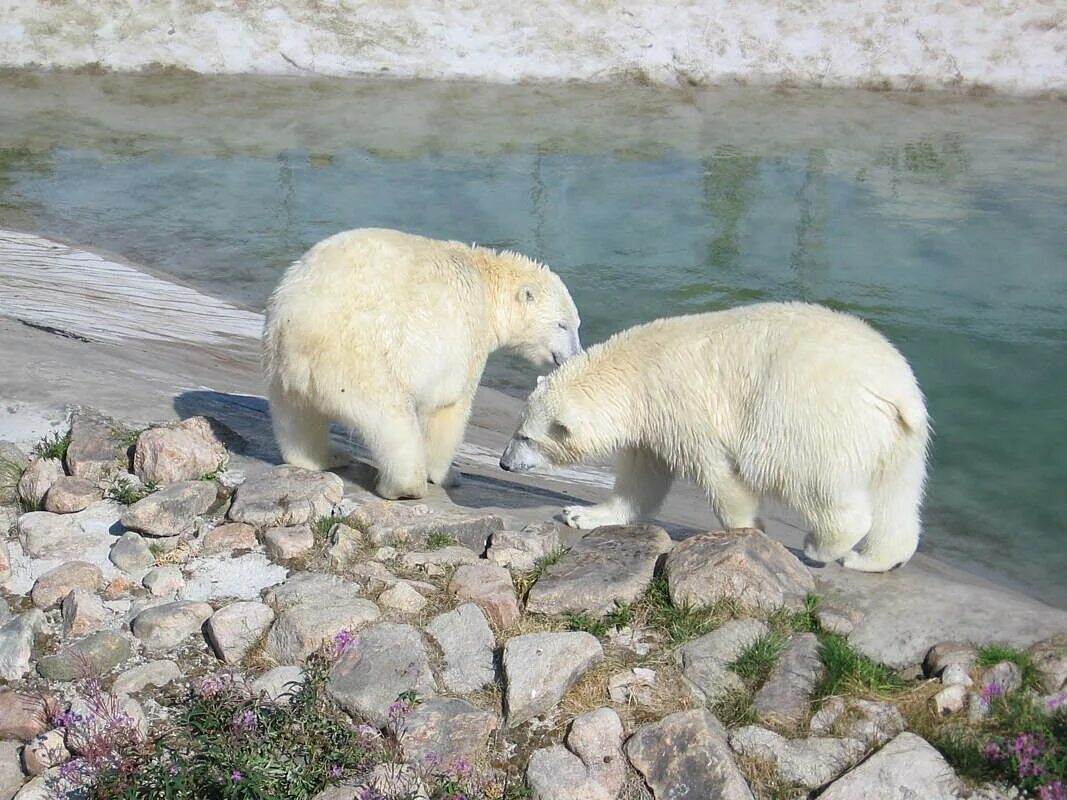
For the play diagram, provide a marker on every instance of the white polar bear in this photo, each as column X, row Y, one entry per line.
column 388, row 334
column 787, row 400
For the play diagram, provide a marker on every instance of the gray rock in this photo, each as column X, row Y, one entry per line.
column 166, row 626
column 131, row 553
column 437, row 562
column 183, row 452
column 403, row 598
column 98, row 446
column 596, row 738
column 83, row 612
column 286, row 495
column 785, row 698
column 50, row 589
column 23, row 715
column 539, row 668
column 555, row 773
column 945, row 654
column 346, row 546
column 384, row 661
column 908, row 767
column 311, row 587
column 163, row 581
column 1050, row 659
column 16, row 644
column 5, row 612
column 279, row 684
column 955, row 675
column 44, row 752
column 743, row 566
column 235, row 629
column 96, row 654
column 1002, row 678
column 385, row 522
column 66, row 536
column 42, row 787
column 871, row 722
column 612, row 564
column 835, row 620
column 490, row 588
column 687, row 749
column 520, row 551
column 705, row 661
column 467, row 643
column 5, row 562
column 950, row 700
column 67, row 495
column 634, row 687
column 228, row 538
column 449, row 729
column 11, row 775
column 810, row 762
column 171, row 511
column 137, row 679
column 301, row 630
column 292, row 541
column 37, row 479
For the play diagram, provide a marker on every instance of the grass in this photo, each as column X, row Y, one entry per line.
column 124, row 491
column 682, row 623
column 991, row 654
column 438, row 540
column 756, row 661
column 321, row 529
column 525, row 581
column 52, row 446
column 850, row 673
column 619, row 617
column 736, row 709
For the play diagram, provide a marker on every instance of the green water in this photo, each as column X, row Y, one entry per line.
column 942, row 220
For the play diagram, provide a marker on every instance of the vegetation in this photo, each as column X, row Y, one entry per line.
column 127, row 492
column 682, row 623
column 321, row 529
column 52, row 446
column 438, row 540
column 849, row 673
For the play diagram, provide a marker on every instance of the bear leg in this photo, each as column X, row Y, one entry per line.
column 642, row 481
column 394, row 438
column 733, row 501
column 894, row 534
column 838, row 527
column 301, row 431
column 444, row 432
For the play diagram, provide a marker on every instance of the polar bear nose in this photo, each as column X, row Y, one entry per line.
column 504, row 465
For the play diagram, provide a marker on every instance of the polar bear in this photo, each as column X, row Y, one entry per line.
column 388, row 334
column 785, row 400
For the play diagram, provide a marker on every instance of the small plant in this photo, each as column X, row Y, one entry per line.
column 321, row 529
column 848, row 672
column 735, row 709
column 214, row 474
column 681, row 624
column 585, row 622
column 524, row 582
column 756, row 661
column 127, row 492
column 438, row 540
column 52, row 446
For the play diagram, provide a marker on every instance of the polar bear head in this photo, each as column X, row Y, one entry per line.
column 542, row 320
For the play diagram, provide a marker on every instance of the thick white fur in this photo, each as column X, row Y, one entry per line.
column 388, row 334
column 787, row 400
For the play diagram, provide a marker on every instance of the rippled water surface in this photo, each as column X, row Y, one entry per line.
column 941, row 220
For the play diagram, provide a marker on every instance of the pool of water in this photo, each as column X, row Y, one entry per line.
column 941, row 220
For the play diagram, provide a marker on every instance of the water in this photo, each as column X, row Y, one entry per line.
column 939, row 219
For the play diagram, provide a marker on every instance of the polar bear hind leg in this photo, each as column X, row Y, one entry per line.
column 838, row 526
column 301, row 431
column 642, row 481
column 895, row 524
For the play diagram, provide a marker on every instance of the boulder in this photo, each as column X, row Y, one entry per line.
column 490, row 588
column 23, row 716
column 539, row 668
column 234, row 630
column 314, row 588
column 596, row 738
column 50, row 589
column 467, row 643
column 154, row 673
column 163, row 581
column 389, row 523
column 447, row 730
column 68, row 494
column 1050, row 658
column 555, row 773
column 227, row 538
column 785, row 699
column 907, row 767
column 16, row 643
column 810, row 762
column 301, row 630
column 290, row 542
column 98, row 446
column 37, row 479
column 96, row 654
column 131, row 553
column 166, row 626
column 706, row 661
column 184, row 452
column 83, row 612
column 286, row 495
column 171, row 511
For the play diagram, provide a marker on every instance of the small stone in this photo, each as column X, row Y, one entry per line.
column 118, row 588
column 555, row 773
column 37, row 479
column 596, row 738
column 906, row 767
column 950, row 700
column 638, row 639
column 383, row 662
column 835, row 620
column 163, row 581
column 171, row 511
column 955, row 675
column 184, row 452
column 540, row 668
column 871, row 722
column 228, row 538
column 45, row 751
column 346, row 545
column 11, row 774
column 490, row 588
column 611, row 565
column 311, row 587
column 811, row 762
column 401, row 597
column 83, row 612
column 97, row 446
column 300, row 631
column 785, row 698
column 386, row 553
column 520, row 551
column 705, row 661
column 945, row 653
column 385, row 522
column 1050, row 658
column 235, row 629
column 1002, row 678
column 167, row 626
column 16, row 643
column 437, row 562
column 279, row 684
column 633, row 687
column 50, row 589
column 447, row 728
column 823, row 721
column 96, row 654
column 467, row 643
column 286, row 495
column 744, row 566
column 131, row 553
column 154, row 673
column 67, row 495
column 23, row 716
column 289, row 542
column 687, row 749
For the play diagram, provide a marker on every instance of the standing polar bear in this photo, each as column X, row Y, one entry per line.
column 388, row 334
column 787, row 400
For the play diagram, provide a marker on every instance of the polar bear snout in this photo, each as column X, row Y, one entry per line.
column 521, row 456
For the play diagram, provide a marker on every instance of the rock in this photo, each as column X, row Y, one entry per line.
column 23, row 716
column 184, row 452
column 83, row 612
column 596, row 738
column 65, row 536
column 50, row 589
column 286, row 495
column 346, row 545
column 37, row 479
column 386, row 522
column 11, row 775
column 687, row 749
column 13, row 463
column 163, row 581
column 311, row 587
column 235, row 629
column 67, row 495
column 119, row 588
column 301, row 630
column 810, row 762
column 705, row 661
column 633, row 687
column 98, row 446
column 467, row 643
column 289, row 542
column 639, row 639
column 384, row 661
column 401, row 597
column 240, row 577
column 955, row 675
column 490, row 588
column 907, row 767
column 227, row 538
column 154, row 673
column 5, row 612
column 834, row 620
column 610, row 565
column 167, row 626
column 437, row 562
column 131, row 553
column 520, row 551
column 1050, row 659
column 1002, row 678
column 5, row 563
column 944, row 654
column 279, row 684
column 447, row 728
column 950, row 700
column 744, row 566
column 392, row 781
column 16, row 644
column 96, row 654
column 45, row 751
column 554, row 773
column 785, row 698
column 871, row 722
column 539, row 668
column 171, row 511
column 977, row 707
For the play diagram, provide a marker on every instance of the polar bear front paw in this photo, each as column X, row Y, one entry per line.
column 821, row 555
column 862, row 562
column 451, row 480
column 594, row 516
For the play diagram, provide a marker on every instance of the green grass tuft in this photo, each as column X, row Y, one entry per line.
column 849, row 673
column 680, row 624
column 438, row 540
column 124, row 491
column 736, row 709
column 524, row 582
column 321, row 529
column 990, row 654
column 756, row 661
column 52, row 446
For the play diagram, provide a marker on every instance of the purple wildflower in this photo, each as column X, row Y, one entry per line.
column 1052, row 791
column 342, row 641
column 336, row 771
column 994, row 689
column 236, row 776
